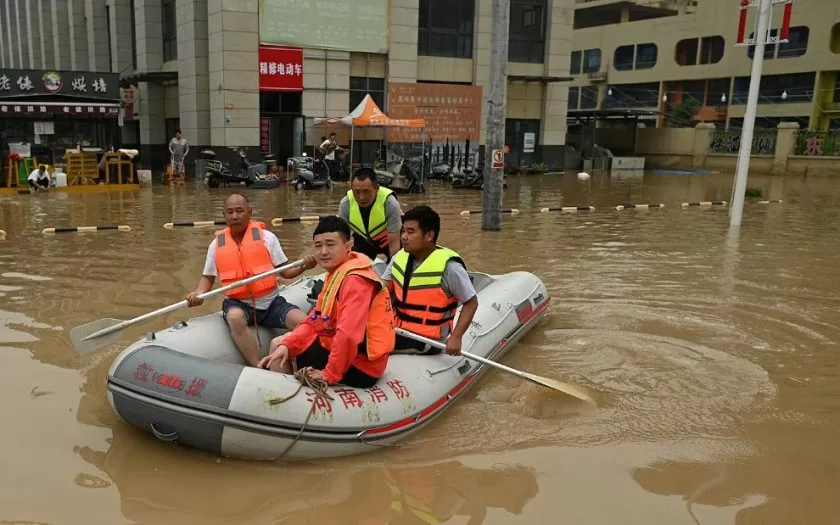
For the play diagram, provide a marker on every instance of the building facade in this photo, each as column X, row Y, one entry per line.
column 646, row 57
column 257, row 73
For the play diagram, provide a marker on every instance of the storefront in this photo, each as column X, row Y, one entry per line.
column 48, row 112
column 281, row 101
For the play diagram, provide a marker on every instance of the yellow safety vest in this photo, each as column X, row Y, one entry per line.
column 376, row 232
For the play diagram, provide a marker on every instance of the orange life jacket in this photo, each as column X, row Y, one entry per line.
column 421, row 305
column 379, row 332
column 235, row 262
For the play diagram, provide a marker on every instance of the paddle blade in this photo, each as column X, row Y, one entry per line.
column 566, row 388
column 79, row 333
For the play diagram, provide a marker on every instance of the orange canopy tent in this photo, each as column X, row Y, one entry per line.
column 368, row 114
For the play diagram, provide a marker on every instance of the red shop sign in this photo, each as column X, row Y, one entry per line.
column 281, row 68
column 265, row 135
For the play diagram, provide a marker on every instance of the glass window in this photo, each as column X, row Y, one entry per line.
column 711, row 49
column 646, row 55
column 588, row 97
column 574, row 95
column 797, row 44
column 592, row 61
column 169, row 30
column 623, row 58
column 445, row 28
column 527, row 31
column 361, row 86
column 686, row 52
column 574, row 66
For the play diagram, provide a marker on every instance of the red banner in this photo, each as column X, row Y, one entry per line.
column 281, row 68
column 265, row 135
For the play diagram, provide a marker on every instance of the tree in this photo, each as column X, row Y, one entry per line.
column 682, row 114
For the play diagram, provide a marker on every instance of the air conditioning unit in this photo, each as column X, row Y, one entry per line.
column 598, row 76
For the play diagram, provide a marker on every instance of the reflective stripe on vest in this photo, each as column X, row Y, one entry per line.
column 401, row 499
column 235, row 262
column 376, row 232
column 379, row 330
column 420, row 303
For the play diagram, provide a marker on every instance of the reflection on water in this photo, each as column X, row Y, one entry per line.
column 154, row 488
column 714, row 356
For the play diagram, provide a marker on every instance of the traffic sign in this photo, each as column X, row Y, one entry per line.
column 498, row 159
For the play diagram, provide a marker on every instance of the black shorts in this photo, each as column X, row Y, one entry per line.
column 272, row 317
column 317, row 356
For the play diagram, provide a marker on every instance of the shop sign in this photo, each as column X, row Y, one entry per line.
column 281, row 68
column 82, row 84
column 23, row 109
column 265, row 135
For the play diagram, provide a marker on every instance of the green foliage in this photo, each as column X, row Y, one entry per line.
column 682, row 113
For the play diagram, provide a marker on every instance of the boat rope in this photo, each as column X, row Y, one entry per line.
column 321, row 389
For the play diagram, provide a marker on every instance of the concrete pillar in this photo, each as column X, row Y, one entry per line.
column 30, row 18
column 785, row 140
column 402, row 52
column 193, row 71
column 96, row 18
column 326, row 80
column 481, row 56
column 61, row 41
column 702, row 135
column 46, row 30
column 3, row 31
column 233, row 33
column 148, row 16
column 120, row 35
column 556, row 94
column 18, row 36
column 151, row 106
column 79, row 59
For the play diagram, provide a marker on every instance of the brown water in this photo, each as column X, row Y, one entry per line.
column 715, row 359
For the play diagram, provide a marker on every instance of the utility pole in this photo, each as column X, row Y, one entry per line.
column 494, row 170
column 765, row 13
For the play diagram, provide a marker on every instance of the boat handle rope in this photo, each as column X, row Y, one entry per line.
column 321, row 389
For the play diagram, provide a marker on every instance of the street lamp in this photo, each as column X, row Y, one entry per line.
column 784, row 95
column 723, row 98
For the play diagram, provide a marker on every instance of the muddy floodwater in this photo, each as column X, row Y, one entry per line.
column 714, row 358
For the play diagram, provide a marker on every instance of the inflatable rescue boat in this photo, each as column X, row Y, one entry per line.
column 188, row 383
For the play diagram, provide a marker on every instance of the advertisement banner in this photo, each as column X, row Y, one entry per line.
column 281, row 68
column 344, row 25
column 452, row 112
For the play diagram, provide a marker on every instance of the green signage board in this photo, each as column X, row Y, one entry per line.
column 345, row 25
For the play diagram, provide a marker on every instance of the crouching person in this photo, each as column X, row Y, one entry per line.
column 349, row 334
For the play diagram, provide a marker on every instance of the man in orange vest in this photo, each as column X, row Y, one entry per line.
column 428, row 283
column 349, row 334
column 244, row 249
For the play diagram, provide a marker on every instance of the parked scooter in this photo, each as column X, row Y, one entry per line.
column 401, row 175
column 470, row 180
column 252, row 174
column 309, row 173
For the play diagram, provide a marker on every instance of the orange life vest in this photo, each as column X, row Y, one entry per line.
column 421, row 305
column 235, row 262
column 379, row 332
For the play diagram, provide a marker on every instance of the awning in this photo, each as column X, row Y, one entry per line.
column 31, row 108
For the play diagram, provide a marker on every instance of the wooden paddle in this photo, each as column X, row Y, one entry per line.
column 566, row 388
column 99, row 333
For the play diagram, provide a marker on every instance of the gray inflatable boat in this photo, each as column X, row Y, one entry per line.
column 188, row 383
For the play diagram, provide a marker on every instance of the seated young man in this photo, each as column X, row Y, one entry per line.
column 349, row 334
column 428, row 282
